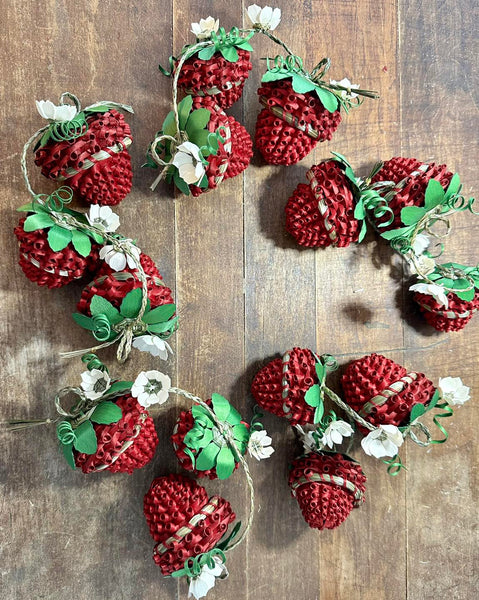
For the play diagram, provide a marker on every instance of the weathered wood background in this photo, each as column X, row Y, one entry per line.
column 245, row 293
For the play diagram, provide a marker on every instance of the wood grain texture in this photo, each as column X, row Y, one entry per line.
column 245, row 293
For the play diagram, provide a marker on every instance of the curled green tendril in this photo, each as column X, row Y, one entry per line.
column 401, row 244
column 93, row 362
column 290, row 63
column 330, row 363
column 256, row 424
column 449, row 412
column 69, row 130
column 57, row 199
column 395, row 465
column 65, row 433
column 193, row 565
column 378, row 205
column 102, row 329
column 458, row 202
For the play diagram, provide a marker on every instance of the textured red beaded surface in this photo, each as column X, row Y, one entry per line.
column 454, row 318
column 283, row 143
column 325, row 504
column 124, row 446
column 241, row 149
column 170, row 505
column 107, row 181
column 368, row 377
column 216, row 77
column 48, row 268
column 321, row 214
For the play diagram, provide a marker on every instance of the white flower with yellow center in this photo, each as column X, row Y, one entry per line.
column 453, row 391
column 205, row 28
column 59, row 114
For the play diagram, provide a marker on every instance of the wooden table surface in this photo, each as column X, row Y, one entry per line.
column 245, row 293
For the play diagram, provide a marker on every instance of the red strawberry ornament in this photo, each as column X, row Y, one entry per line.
column 90, row 152
column 241, row 149
column 321, row 214
column 327, row 488
column 123, row 446
column 382, row 391
column 453, row 318
column 183, row 521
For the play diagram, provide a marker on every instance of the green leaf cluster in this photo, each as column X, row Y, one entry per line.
column 460, row 285
column 208, row 448
column 314, row 395
column 418, row 410
column 226, row 44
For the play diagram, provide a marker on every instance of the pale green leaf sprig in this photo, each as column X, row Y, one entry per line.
column 314, row 396
column 218, row 437
column 332, row 95
column 63, row 224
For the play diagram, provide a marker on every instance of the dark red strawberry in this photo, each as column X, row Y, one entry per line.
column 124, row 446
column 291, row 124
column 327, row 488
column 182, row 520
column 96, row 165
column 241, row 149
column 454, row 318
column 382, row 391
column 321, row 214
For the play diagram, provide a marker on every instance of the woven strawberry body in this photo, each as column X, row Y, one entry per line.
column 115, row 286
column 124, row 446
column 216, row 77
column 96, row 165
column 219, row 163
column 413, row 177
column 48, row 268
column 291, row 124
column 454, row 318
column 281, row 385
column 241, row 149
column 321, row 214
column 327, row 488
column 183, row 521
column 382, row 391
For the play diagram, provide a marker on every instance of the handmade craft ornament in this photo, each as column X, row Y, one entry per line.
column 327, row 487
column 301, row 109
column 88, row 148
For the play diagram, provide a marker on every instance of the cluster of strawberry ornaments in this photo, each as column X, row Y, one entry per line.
column 384, row 404
column 409, row 203
column 199, row 145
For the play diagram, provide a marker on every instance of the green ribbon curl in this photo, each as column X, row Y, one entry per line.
column 65, row 433
column 193, row 566
column 395, row 465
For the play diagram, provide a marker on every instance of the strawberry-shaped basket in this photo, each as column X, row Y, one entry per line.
column 88, row 148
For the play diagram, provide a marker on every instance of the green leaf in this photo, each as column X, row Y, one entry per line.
column 169, row 125
column 197, row 120
column 453, row 187
column 241, row 432
column 181, row 183
column 410, row 215
column 312, row 396
column 302, row 84
column 203, row 441
column 363, row 231
column 275, row 76
column 359, row 211
column 37, row 221
column 184, row 109
column 434, row 400
column 234, row 418
column 160, row 314
column 320, row 371
column 163, row 327
column 84, row 321
column 221, row 406
column 45, row 137
column 106, row 413
column 206, row 53
column 101, row 306
column 318, row 413
column 417, row 411
column 131, row 304
column 85, row 438
column 32, row 207
column 59, row 238
column 395, row 233
column 96, row 236
column 230, row 53
column 200, row 137
column 203, row 184
column 207, row 457
column 225, row 463
column 67, row 450
column 467, row 296
column 98, row 109
column 81, row 242
column 434, row 194
column 328, row 99
column 245, row 45
column 118, row 387
column 199, row 412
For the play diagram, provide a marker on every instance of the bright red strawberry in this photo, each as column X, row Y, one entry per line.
column 124, row 446
column 291, row 124
column 327, row 488
column 454, row 318
column 382, row 391
column 241, row 149
column 321, row 214
column 412, row 176
column 182, row 520
column 96, row 165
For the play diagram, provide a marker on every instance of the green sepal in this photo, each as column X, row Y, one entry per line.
column 106, row 413
column 96, row 236
column 313, row 395
column 184, row 110
column 84, row 321
column 169, row 125
column 320, row 371
column 396, row 233
column 85, row 440
column 101, row 306
column 410, row 215
column 207, row 457
column 200, row 413
column 163, row 327
column 181, row 183
column 319, row 412
column 59, row 238
column 131, row 303
column 206, row 53
column 454, row 187
column 118, row 388
column 197, row 120
column 241, row 433
column 225, row 463
column 221, row 406
column 230, row 53
column 226, row 539
column 417, row 411
column 434, row 195
column 199, row 443
column 81, row 242
column 160, row 314
column 203, row 184
column 467, row 296
column 67, row 450
column 32, row 206
column 37, row 221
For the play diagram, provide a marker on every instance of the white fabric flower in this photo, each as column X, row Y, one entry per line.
column 265, row 18
column 60, row 114
column 188, row 162
column 151, row 387
column 205, row 28
column 425, row 264
column 383, row 441
column 95, row 383
column 117, row 259
column 453, row 391
column 346, row 94
column 335, row 431
column 205, row 581
column 259, row 445
column 152, row 344
column 431, row 289
column 421, row 242
column 103, row 217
